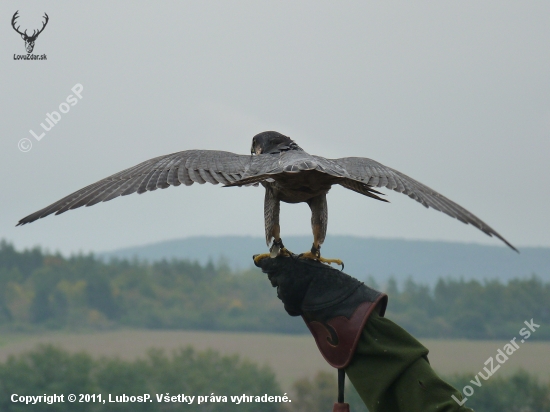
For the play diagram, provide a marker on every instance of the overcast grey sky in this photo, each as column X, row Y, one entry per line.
column 454, row 94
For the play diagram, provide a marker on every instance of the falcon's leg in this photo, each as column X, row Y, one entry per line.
column 272, row 207
column 319, row 220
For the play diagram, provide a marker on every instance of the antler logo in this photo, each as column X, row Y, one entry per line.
column 29, row 40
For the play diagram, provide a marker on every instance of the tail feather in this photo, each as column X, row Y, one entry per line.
column 362, row 188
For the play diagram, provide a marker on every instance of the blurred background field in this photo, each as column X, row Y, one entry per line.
column 291, row 357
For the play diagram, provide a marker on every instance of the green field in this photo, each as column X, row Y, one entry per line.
column 290, row 356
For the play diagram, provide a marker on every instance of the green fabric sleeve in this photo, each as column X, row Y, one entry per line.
column 391, row 372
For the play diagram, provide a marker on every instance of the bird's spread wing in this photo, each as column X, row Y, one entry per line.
column 375, row 174
column 185, row 167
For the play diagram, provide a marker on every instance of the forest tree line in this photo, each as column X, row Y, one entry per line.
column 40, row 290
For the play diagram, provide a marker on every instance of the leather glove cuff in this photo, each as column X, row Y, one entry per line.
column 337, row 338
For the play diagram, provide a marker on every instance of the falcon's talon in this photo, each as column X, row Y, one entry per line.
column 317, row 257
column 282, row 252
column 285, row 252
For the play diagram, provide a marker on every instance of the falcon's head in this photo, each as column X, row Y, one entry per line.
column 272, row 142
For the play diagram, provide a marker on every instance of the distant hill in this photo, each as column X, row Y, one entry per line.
column 425, row 261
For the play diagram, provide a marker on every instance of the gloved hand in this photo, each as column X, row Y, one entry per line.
column 335, row 306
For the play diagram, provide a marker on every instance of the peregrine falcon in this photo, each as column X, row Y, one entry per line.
column 284, row 169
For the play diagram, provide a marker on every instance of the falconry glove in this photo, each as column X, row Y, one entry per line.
column 334, row 305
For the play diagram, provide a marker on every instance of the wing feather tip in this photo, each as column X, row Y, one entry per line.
column 508, row 244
